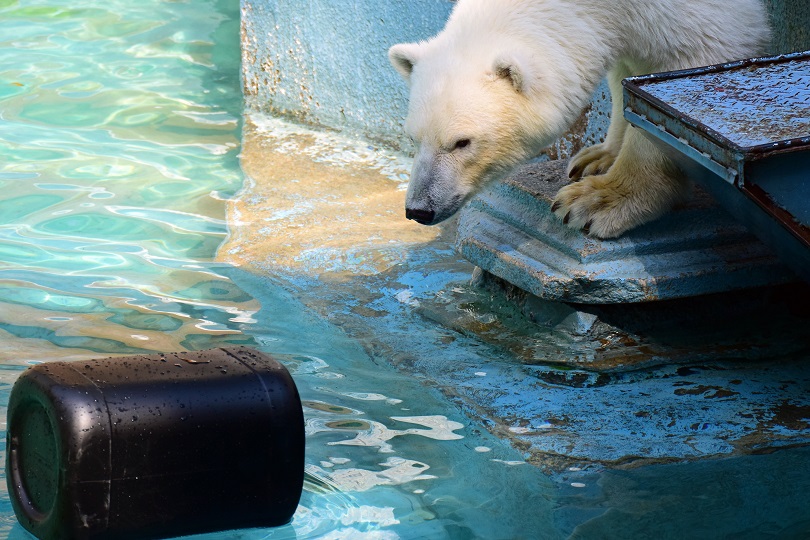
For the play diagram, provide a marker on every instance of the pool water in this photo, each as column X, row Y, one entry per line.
column 122, row 204
column 121, row 139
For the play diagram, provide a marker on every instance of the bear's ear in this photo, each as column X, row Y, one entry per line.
column 512, row 69
column 403, row 57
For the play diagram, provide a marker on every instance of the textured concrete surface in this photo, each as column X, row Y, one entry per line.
column 326, row 63
column 509, row 230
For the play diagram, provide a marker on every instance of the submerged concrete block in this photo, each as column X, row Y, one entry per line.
column 508, row 230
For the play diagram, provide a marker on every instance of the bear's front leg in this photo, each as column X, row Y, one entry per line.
column 641, row 185
column 599, row 158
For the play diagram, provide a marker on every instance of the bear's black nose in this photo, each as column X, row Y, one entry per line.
column 425, row 217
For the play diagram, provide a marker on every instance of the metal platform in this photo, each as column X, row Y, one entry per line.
column 743, row 131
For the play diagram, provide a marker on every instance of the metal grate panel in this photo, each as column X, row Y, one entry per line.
column 752, row 106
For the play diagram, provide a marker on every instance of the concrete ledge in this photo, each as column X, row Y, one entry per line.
column 580, row 344
column 509, row 231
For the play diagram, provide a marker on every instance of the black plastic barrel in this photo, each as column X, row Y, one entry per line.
column 155, row 446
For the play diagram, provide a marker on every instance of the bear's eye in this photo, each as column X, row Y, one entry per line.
column 461, row 143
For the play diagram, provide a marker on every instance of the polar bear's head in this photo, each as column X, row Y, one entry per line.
column 473, row 115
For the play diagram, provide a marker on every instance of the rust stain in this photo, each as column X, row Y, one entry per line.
column 709, row 392
column 791, row 416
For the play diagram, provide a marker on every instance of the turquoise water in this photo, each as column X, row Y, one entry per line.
column 121, row 127
column 120, row 141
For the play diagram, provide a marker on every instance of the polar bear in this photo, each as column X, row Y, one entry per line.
column 505, row 78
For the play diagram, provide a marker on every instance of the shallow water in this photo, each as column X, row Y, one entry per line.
column 122, row 126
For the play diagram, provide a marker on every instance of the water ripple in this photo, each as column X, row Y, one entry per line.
column 121, row 130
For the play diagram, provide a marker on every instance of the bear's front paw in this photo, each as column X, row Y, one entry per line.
column 596, row 207
column 592, row 160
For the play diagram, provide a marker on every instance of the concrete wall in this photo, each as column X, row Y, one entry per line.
column 324, row 62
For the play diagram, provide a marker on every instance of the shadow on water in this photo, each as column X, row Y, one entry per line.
column 749, row 497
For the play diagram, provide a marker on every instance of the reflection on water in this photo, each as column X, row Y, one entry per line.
column 120, row 130
column 387, row 456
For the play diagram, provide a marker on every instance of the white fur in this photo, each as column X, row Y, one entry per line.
column 510, row 76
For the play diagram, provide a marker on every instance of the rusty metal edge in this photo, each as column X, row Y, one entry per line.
column 633, row 87
column 783, row 217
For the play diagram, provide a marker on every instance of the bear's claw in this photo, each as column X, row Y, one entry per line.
column 595, row 207
column 590, row 161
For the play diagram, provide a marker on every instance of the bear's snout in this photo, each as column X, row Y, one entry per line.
column 423, row 217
